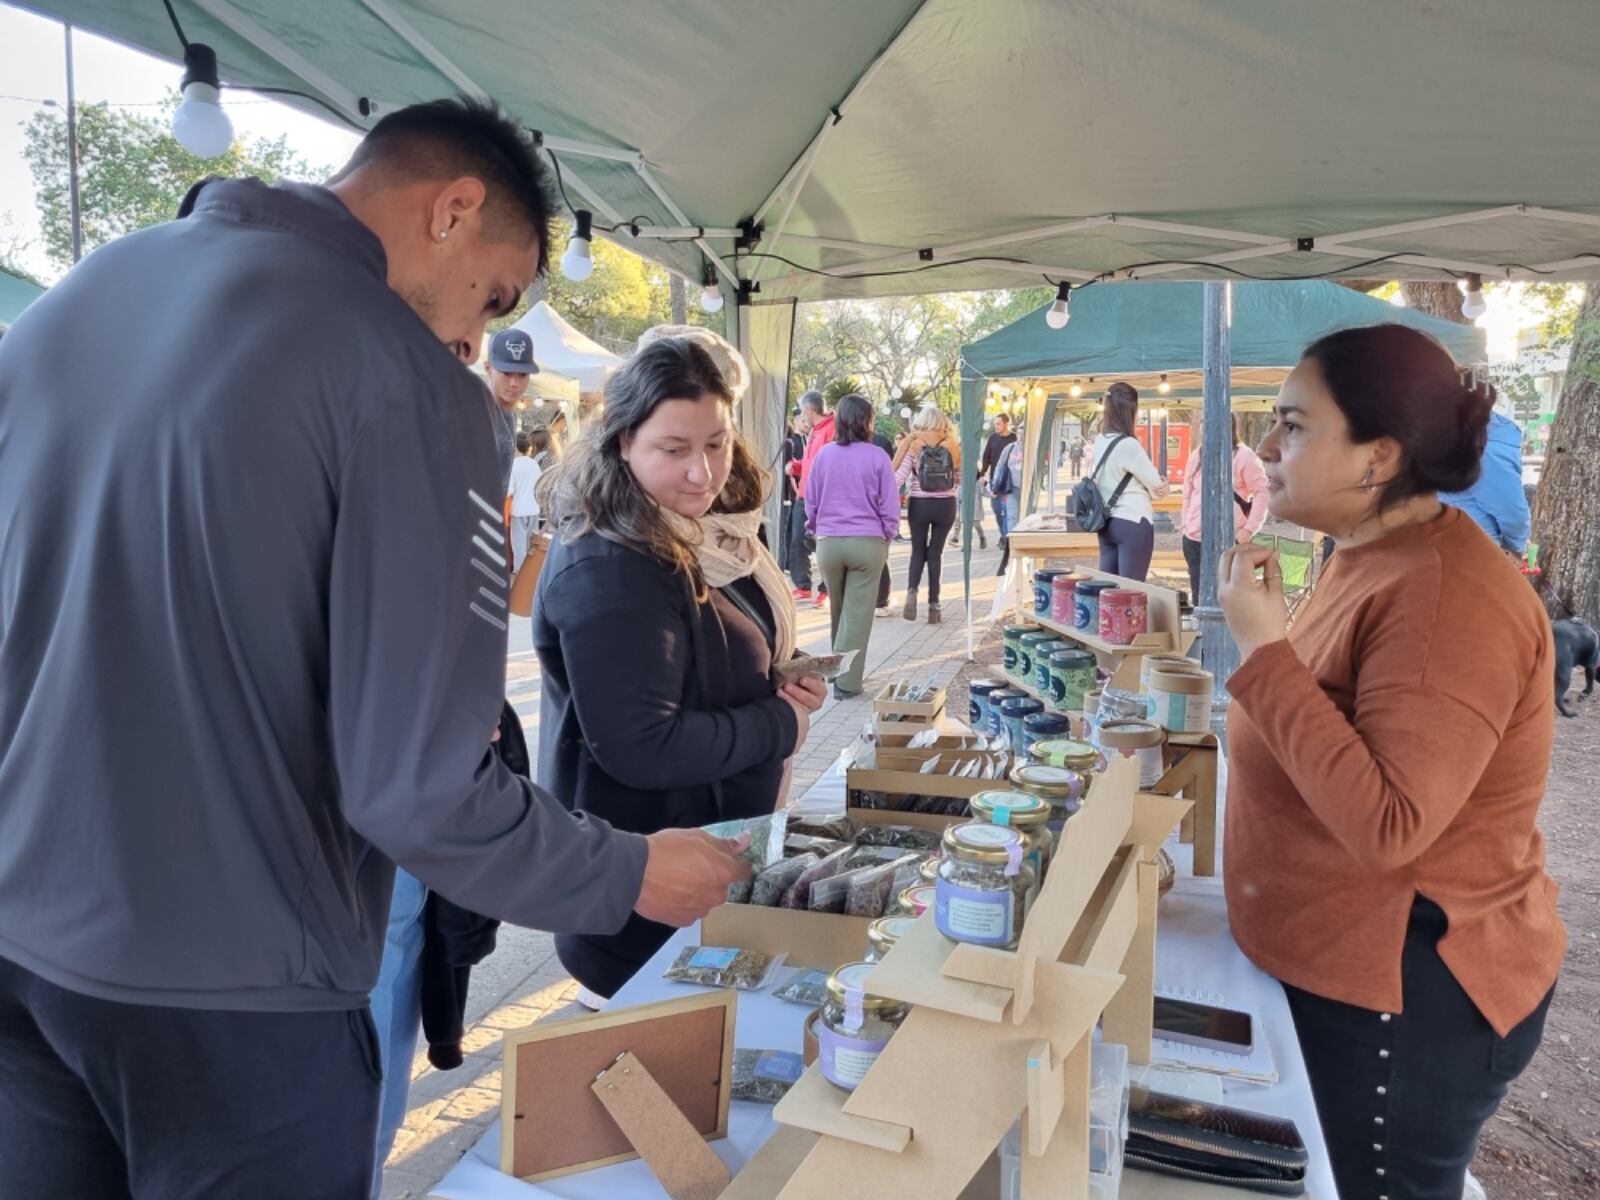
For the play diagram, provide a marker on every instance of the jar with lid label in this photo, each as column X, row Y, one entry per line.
column 1072, row 673
column 1139, row 740
column 1086, row 604
column 915, row 900
column 1010, row 648
column 978, row 692
column 1044, row 727
column 1026, row 645
column 1060, row 787
column 929, row 870
column 984, row 883
column 1026, row 813
column 883, row 933
column 1124, row 616
column 1182, row 699
column 1042, row 653
column 1012, row 715
column 997, row 700
column 854, row 1027
column 1063, row 598
column 1044, row 589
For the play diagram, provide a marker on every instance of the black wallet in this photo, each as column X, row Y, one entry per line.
column 1213, row 1144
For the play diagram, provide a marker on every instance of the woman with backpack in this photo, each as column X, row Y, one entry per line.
column 1129, row 484
column 930, row 461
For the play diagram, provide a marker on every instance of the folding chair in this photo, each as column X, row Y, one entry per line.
column 1300, row 560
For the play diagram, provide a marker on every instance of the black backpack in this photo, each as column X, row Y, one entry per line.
column 1090, row 508
column 936, row 469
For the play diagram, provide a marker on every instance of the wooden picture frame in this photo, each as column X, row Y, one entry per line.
column 551, row 1122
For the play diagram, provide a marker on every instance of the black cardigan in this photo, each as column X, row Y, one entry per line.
column 657, row 713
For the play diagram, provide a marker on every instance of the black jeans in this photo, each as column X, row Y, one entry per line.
column 117, row 1101
column 932, row 518
column 1402, row 1097
column 799, row 558
column 1191, row 557
column 1126, row 548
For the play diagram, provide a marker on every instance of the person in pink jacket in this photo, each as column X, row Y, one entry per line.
column 1249, row 502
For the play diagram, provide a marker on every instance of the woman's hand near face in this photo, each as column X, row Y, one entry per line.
column 1254, row 607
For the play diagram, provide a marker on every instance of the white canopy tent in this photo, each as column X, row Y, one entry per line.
column 560, row 348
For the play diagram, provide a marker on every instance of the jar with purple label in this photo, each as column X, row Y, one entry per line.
column 984, row 884
column 854, row 1026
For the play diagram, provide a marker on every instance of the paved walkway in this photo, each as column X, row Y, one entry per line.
column 523, row 982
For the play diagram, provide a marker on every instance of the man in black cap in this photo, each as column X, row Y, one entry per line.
column 510, row 365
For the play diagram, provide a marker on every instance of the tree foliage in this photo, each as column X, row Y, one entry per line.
column 132, row 172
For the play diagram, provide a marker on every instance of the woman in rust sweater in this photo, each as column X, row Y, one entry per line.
column 1388, row 756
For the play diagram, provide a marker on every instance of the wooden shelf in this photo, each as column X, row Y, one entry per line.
column 1094, row 643
column 817, row 1105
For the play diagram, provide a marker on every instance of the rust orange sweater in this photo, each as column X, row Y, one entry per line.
column 1397, row 744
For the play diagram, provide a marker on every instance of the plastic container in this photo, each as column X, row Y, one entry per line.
column 1124, row 616
column 1042, row 653
column 1086, row 604
column 1027, row 644
column 1025, row 812
column 1013, row 714
column 1108, row 1128
column 1072, row 675
column 854, row 1026
column 978, row 692
column 1044, row 589
column 984, row 885
column 1139, row 740
column 995, row 724
column 1044, row 727
column 1182, row 700
column 1010, row 656
column 1063, row 600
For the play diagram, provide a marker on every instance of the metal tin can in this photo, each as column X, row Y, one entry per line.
column 978, row 692
column 1042, row 727
column 1010, row 652
column 1124, row 615
column 1026, row 645
column 1086, row 604
column 1072, row 674
column 1012, row 715
column 1044, row 589
column 1041, row 662
column 1063, row 601
column 996, row 721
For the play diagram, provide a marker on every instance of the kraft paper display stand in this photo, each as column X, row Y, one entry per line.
column 993, row 1035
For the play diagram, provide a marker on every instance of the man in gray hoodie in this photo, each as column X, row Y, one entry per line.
column 251, row 654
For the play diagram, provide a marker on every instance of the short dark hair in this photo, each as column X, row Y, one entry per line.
column 1122, row 408
column 448, row 139
column 524, row 442
column 1397, row 382
column 812, row 400
column 852, row 420
column 1006, row 417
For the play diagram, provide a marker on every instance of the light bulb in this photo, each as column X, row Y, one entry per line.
column 577, row 264
column 1075, row 391
column 711, row 293
column 199, row 123
column 905, row 412
column 1058, row 316
column 1164, row 387
column 1472, row 304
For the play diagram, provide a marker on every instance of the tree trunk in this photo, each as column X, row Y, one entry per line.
column 680, row 299
column 1566, row 511
column 1435, row 299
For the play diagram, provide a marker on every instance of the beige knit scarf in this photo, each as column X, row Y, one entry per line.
column 728, row 547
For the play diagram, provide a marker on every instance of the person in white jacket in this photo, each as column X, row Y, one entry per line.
column 1129, row 538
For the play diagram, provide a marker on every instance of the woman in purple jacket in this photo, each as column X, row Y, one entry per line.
column 853, row 507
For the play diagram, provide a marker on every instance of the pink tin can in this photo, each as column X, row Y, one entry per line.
column 1124, row 615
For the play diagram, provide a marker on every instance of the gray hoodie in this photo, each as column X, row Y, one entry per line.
column 253, row 624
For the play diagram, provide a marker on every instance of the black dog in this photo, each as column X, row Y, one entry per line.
column 1577, row 644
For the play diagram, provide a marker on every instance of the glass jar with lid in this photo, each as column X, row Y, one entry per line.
column 984, row 884
column 1063, row 788
column 854, row 1026
column 883, row 933
column 1026, row 813
column 915, row 900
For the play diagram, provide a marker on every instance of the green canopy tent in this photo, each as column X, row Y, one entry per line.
column 16, row 293
column 1150, row 334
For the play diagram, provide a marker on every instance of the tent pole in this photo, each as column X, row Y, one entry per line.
column 1217, row 649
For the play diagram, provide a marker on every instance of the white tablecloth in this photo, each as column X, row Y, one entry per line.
column 1192, row 946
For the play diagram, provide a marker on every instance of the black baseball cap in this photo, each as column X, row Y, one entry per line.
column 511, row 352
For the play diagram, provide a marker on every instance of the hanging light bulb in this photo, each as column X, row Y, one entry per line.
column 1472, row 304
column 711, row 291
column 1075, row 390
column 905, row 411
column 895, row 392
column 577, row 264
column 199, row 123
column 1058, row 316
column 1164, row 387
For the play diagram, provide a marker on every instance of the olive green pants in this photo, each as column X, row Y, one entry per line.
column 851, row 566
